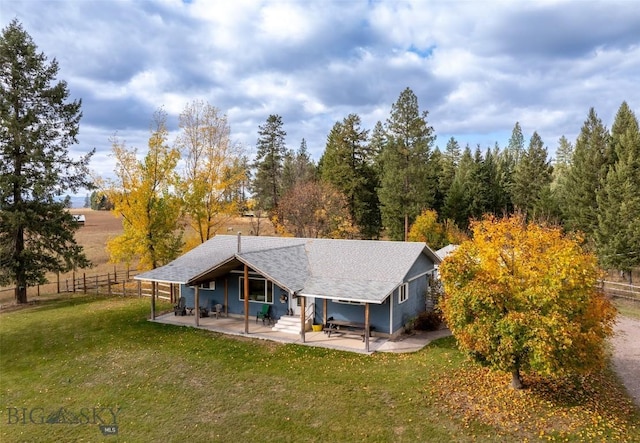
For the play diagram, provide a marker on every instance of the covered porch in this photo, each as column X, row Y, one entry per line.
column 234, row 325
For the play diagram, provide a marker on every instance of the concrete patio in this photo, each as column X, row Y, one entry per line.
column 234, row 325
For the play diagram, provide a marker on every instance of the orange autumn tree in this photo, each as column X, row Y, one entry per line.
column 523, row 296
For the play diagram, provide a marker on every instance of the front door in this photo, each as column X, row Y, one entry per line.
column 294, row 305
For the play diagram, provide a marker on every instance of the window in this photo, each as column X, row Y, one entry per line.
column 403, row 293
column 260, row 290
column 208, row 285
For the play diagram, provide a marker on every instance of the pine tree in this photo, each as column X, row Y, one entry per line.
column 271, row 149
column 618, row 230
column 38, row 124
column 347, row 164
column 457, row 204
column 408, row 181
column 297, row 168
column 586, row 176
column 532, row 177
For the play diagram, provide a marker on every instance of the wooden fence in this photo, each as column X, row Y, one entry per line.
column 119, row 282
column 621, row 290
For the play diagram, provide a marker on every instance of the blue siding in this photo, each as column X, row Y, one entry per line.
column 235, row 305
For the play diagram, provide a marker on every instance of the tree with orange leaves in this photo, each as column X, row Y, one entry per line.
column 523, row 296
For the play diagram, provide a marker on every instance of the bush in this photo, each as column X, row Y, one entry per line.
column 428, row 321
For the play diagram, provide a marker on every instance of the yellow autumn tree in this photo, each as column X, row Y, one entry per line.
column 144, row 196
column 213, row 169
column 523, row 296
column 427, row 229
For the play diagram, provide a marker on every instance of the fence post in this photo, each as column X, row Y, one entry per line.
column 115, row 274
column 73, row 279
column 109, row 284
column 139, row 288
column 124, row 288
column 58, row 281
column 84, row 282
column 96, row 284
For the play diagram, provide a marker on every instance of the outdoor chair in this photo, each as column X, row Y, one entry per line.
column 181, row 307
column 264, row 314
column 218, row 311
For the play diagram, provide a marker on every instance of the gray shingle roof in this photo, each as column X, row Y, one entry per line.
column 359, row 270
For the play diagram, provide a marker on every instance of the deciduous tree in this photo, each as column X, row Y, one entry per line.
column 38, row 124
column 525, row 297
column 144, row 196
column 213, row 168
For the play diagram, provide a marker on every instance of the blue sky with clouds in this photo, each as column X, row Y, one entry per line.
column 477, row 67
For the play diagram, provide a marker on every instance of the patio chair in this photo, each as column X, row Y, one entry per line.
column 264, row 314
column 181, row 307
column 218, row 310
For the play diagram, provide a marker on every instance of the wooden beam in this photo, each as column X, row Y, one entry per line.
column 303, row 315
column 226, row 296
column 246, row 299
column 324, row 311
column 366, row 327
column 153, row 300
column 196, row 305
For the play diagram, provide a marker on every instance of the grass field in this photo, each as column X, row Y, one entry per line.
column 79, row 361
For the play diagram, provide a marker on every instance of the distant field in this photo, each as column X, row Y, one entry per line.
column 99, row 227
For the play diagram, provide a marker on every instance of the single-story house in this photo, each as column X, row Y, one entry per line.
column 379, row 284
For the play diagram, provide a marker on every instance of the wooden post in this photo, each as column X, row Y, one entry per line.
column 58, row 281
column 139, row 288
column 153, row 300
column 303, row 316
column 324, row 311
column 128, row 276
column 84, row 282
column 96, row 284
column 109, row 284
column 73, row 279
column 197, row 305
column 226, row 297
column 115, row 274
column 246, row 299
column 124, row 288
column 366, row 327
column 38, row 290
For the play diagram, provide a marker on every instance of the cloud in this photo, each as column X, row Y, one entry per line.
column 476, row 67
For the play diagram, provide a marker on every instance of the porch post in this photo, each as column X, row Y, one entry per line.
column 153, row 300
column 197, row 305
column 303, row 316
column 226, row 296
column 246, row 299
column 324, row 311
column 366, row 327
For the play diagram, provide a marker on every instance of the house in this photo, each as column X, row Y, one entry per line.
column 380, row 284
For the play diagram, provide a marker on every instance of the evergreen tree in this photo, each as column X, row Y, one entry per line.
column 618, row 230
column 347, row 164
column 38, row 124
column 457, row 204
column 585, row 177
column 271, row 149
column 563, row 160
column 408, row 180
column 449, row 164
column 297, row 168
column 532, row 177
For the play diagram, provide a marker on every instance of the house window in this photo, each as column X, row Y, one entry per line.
column 260, row 290
column 403, row 293
column 208, row 285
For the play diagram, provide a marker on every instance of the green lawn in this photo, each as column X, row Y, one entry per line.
column 166, row 383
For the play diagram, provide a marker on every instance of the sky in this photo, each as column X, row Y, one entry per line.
column 476, row 67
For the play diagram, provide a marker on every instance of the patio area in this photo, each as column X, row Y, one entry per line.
column 234, row 325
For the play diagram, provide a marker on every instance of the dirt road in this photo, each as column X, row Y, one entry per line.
column 626, row 354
